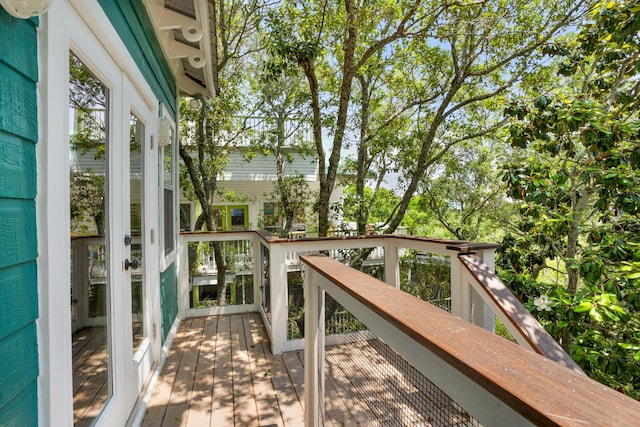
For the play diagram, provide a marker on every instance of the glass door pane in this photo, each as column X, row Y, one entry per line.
column 136, row 215
column 238, row 217
column 88, row 147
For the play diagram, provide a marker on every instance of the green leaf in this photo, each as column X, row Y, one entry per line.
column 610, row 315
column 595, row 315
column 582, row 307
column 629, row 346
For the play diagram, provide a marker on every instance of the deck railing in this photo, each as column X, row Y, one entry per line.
column 272, row 273
column 489, row 380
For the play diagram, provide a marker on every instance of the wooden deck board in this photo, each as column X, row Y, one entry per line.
column 201, row 398
column 290, row 405
column 159, row 400
column 89, row 374
column 182, row 390
column 222, row 399
column 245, row 410
column 220, row 372
column 266, row 400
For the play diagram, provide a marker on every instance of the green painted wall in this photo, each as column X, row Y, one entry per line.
column 18, row 237
column 168, row 299
column 130, row 19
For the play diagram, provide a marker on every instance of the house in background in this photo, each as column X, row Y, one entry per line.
column 250, row 204
column 88, row 233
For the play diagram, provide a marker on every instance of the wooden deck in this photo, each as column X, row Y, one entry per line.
column 90, row 391
column 220, row 372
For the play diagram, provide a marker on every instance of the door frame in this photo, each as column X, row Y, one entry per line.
column 84, row 25
column 225, row 211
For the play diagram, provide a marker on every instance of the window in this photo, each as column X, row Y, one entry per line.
column 185, row 217
column 165, row 141
column 238, row 219
column 234, row 218
column 271, row 216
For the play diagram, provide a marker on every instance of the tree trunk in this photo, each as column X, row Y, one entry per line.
column 203, row 193
column 362, row 213
column 285, row 203
column 308, row 67
column 580, row 205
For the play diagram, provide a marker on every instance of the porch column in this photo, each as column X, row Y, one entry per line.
column 391, row 263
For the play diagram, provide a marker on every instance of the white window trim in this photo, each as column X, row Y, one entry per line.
column 171, row 257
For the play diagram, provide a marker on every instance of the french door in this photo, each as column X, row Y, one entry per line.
column 109, row 143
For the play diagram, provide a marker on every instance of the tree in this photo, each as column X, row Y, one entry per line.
column 465, row 193
column 575, row 255
column 283, row 105
column 209, row 130
column 361, row 32
column 379, row 208
column 456, row 60
column 292, row 196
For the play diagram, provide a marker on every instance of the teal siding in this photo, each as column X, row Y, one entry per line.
column 19, row 296
column 18, row 242
column 18, row 159
column 18, row 361
column 19, row 412
column 20, row 56
column 18, row 235
column 168, row 299
column 130, row 19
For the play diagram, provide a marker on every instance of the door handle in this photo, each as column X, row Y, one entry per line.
column 133, row 264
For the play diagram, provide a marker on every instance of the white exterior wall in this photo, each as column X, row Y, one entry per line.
column 263, row 168
column 253, row 182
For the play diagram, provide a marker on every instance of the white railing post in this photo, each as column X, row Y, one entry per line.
column 278, row 295
column 391, row 263
column 313, row 351
column 257, row 270
column 489, row 258
column 183, row 276
column 460, row 293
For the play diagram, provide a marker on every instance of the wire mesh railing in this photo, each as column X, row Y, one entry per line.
column 384, row 389
column 265, row 274
column 423, row 366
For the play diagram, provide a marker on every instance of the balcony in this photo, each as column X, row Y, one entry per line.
column 297, row 316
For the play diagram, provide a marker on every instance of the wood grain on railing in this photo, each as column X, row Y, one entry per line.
column 541, row 390
column 521, row 320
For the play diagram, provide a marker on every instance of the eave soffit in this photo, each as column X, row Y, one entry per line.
column 183, row 28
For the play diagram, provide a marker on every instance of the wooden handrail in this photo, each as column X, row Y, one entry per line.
column 541, row 390
column 453, row 245
column 515, row 313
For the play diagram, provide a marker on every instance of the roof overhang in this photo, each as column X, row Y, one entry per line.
column 182, row 27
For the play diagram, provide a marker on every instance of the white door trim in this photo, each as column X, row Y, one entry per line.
column 83, row 25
